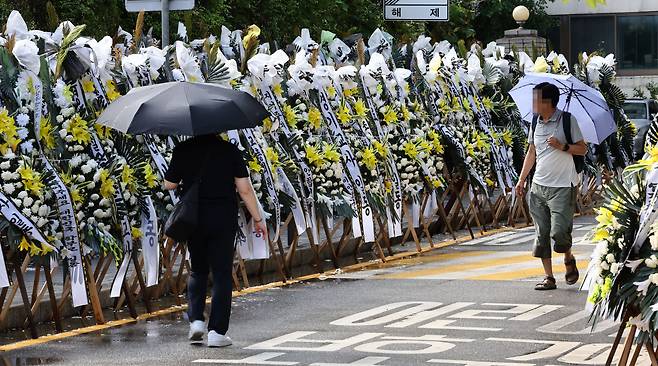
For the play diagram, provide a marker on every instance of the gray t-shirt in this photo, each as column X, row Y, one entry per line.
column 555, row 168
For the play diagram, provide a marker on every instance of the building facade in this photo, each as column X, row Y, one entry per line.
column 627, row 28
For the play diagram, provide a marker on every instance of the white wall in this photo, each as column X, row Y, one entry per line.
column 558, row 7
column 627, row 83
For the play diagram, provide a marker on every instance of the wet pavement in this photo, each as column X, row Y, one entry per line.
column 417, row 311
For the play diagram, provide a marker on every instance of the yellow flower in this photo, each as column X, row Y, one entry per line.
column 390, row 116
column 150, row 177
column 75, row 195
column 34, row 250
column 254, row 166
column 24, row 245
column 410, row 149
column 136, row 232
column 45, row 249
column 273, row 157
column 278, row 91
column 8, row 131
column 88, row 86
column 436, row 183
column 313, row 156
column 331, row 91
column 455, row 104
column 389, row 186
column 315, row 118
column 541, row 65
column 68, row 93
column 507, row 137
column 489, row 182
column 102, row 131
column 290, row 115
column 267, row 124
column 368, row 158
column 600, row 235
column 488, row 103
column 330, row 152
column 381, row 150
column 350, row 92
column 111, row 89
column 128, row 178
column 481, row 141
column 107, row 184
column 653, row 156
column 425, row 146
column 406, row 116
column 46, row 135
column 443, row 106
column 31, row 180
column 604, row 217
column 360, row 108
column 79, row 129
column 344, row 115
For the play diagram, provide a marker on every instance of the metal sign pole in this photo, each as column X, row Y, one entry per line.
column 165, row 23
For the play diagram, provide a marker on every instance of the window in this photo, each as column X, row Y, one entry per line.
column 592, row 33
column 635, row 110
column 637, row 42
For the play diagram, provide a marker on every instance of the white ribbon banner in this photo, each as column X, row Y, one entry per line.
column 150, row 245
column 160, row 163
column 70, row 239
column 267, row 177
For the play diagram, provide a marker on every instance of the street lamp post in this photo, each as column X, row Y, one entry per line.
column 165, row 23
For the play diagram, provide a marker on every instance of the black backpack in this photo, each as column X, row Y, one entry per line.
column 578, row 160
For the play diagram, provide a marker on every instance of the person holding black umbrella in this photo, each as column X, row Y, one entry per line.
column 210, row 170
column 220, row 170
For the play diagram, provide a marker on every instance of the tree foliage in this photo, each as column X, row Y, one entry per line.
column 282, row 20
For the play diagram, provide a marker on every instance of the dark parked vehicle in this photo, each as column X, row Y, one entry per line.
column 641, row 112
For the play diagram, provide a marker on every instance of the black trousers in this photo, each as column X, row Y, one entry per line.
column 211, row 251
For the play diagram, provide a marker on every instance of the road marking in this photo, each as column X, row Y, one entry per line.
column 259, row 359
column 504, row 258
column 368, row 361
column 479, row 363
column 555, row 348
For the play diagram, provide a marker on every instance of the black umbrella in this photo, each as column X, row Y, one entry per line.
column 183, row 109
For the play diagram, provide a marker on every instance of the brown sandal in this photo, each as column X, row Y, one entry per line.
column 547, row 284
column 572, row 274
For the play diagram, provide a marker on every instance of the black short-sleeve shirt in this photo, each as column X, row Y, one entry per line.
column 223, row 163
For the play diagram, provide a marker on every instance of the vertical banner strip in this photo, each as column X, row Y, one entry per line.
column 70, row 239
column 150, row 245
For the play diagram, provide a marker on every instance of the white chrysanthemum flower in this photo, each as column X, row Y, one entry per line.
column 86, row 169
column 22, row 119
column 98, row 213
column 8, row 188
column 610, row 258
column 44, row 211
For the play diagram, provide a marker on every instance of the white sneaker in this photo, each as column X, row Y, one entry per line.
column 217, row 340
column 197, row 328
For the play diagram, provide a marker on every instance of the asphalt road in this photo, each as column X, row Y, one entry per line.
column 470, row 305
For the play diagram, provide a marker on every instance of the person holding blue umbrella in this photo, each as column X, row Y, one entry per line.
column 556, row 150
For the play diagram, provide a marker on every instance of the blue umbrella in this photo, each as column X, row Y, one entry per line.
column 585, row 103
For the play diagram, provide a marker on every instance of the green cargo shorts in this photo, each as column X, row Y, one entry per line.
column 552, row 211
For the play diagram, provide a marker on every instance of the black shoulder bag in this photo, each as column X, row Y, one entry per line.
column 184, row 219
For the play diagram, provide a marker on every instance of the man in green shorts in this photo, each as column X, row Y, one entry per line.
column 552, row 197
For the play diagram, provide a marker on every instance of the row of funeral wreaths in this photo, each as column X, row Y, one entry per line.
column 342, row 142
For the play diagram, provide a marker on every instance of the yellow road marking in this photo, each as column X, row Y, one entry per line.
column 484, row 263
column 250, row 290
column 525, row 273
